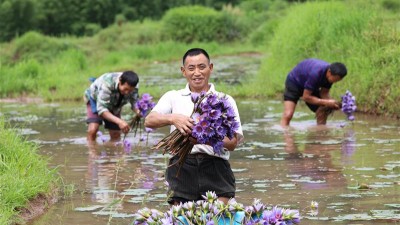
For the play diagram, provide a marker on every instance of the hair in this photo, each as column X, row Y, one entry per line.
column 338, row 69
column 194, row 52
column 129, row 77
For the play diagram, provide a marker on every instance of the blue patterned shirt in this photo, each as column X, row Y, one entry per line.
column 104, row 90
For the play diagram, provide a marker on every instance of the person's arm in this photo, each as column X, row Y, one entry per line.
column 124, row 126
column 325, row 100
column 156, row 120
column 230, row 144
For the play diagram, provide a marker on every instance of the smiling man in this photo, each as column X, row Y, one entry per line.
column 311, row 80
column 202, row 171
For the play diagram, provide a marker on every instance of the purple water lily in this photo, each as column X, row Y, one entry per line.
column 145, row 104
column 217, row 120
column 211, row 211
column 349, row 105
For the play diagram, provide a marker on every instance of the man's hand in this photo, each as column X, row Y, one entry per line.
column 137, row 111
column 124, row 126
column 332, row 103
column 183, row 123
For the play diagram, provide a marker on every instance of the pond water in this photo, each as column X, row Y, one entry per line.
column 291, row 168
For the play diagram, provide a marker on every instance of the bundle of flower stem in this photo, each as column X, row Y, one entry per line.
column 176, row 143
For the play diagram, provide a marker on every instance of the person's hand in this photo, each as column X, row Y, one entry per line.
column 183, row 123
column 137, row 111
column 124, row 126
column 332, row 103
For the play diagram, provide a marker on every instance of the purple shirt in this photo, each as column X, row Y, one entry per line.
column 310, row 74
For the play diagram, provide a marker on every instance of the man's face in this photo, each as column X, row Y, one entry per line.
column 125, row 89
column 197, row 71
column 332, row 78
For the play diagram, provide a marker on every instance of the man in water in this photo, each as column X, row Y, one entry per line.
column 105, row 98
column 311, row 80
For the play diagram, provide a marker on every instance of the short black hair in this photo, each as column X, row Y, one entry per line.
column 194, row 52
column 130, row 77
column 338, row 69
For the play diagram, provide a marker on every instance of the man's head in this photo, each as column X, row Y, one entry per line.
column 336, row 72
column 197, row 69
column 127, row 82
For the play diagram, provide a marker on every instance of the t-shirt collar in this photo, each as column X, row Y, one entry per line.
column 187, row 91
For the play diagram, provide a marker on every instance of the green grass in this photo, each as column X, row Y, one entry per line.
column 23, row 173
column 362, row 34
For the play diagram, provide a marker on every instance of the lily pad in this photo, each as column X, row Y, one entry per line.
column 89, row 208
column 361, row 216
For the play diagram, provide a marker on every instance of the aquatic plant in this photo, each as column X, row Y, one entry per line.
column 210, row 211
column 349, row 105
column 145, row 104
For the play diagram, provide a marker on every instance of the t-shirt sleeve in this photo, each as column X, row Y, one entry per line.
column 164, row 104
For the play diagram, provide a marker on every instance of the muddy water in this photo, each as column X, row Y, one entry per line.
column 292, row 168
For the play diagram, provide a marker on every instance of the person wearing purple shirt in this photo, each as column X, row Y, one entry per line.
column 311, row 80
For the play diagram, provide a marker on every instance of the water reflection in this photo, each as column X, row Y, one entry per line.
column 312, row 166
column 348, row 147
column 103, row 166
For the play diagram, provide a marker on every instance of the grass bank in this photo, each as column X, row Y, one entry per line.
column 23, row 174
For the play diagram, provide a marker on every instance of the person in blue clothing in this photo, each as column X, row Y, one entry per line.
column 311, row 81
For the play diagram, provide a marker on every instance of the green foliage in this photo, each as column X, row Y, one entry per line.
column 23, row 173
column 125, row 35
column 37, row 46
column 392, row 5
column 198, row 23
column 17, row 17
column 20, row 79
column 72, row 17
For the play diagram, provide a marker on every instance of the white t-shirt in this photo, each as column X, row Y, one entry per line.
column 180, row 102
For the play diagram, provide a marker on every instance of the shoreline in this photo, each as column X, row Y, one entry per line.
column 37, row 206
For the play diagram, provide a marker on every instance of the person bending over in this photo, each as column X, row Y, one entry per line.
column 104, row 101
column 311, row 81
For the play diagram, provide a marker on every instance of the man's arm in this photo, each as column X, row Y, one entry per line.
column 183, row 123
column 230, row 144
column 124, row 126
column 325, row 99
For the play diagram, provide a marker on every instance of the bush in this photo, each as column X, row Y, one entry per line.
column 37, row 46
column 198, row 23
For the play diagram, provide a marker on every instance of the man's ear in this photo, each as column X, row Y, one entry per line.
column 183, row 70
column 211, row 66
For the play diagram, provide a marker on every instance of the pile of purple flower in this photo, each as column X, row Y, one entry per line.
column 211, row 211
column 349, row 105
column 214, row 119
